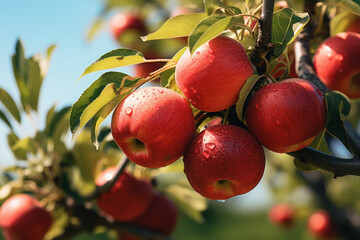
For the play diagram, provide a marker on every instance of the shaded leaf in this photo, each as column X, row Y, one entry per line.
column 211, row 27
column 212, row 5
column 34, row 82
column 5, row 119
column 338, row 108
column 19, row 154
column 340, row 22
column 350, row 5
column 178, row 26
column 10, row 104
column 56, row 120
column 94, row 29
column 244, row 92
column 111, row 86
column 115, row 58
column 287, row 25
column 165, row 76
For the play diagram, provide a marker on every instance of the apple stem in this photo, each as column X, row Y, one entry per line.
column 120, row 167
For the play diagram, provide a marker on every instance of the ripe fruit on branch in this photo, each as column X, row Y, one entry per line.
column 224, row 161
column 282, row 214
column 144, row 69
column 127, row 23
column 153, row 126
column 127, row 199
column 286, row 116
column 22, row 217
column 319, row 224
column 336, row 62
column 212, row 77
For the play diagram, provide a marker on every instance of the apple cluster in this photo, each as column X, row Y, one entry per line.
column 134, row 201
column 155, row 126
column 23, row 217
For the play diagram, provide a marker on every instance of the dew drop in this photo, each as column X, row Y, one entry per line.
column 277, row 121
column 211, row 51
column 206, row 154
column 128, row 111
column 160, row 90
column 193, row 89
column 274, row 89
column 185, row 90
column 197, row 52
column 210, row 146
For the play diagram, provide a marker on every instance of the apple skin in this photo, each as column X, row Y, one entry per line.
column 144, row 69
column 282, row 214
column 224, row 161
column 22, row 217
column 213, row 76
column 286, row 116
column 336, row 62
column 292, row 70
column 127, row 199
column 123, row 21
column 319, row 224
column 153, row 126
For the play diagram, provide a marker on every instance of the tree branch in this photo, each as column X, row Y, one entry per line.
column 120, row 167
column 338, row 166
column 264, row 47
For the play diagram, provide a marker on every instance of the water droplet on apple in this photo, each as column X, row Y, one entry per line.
column 197, row 52
column 285, row 86
column 210, row 146
column 199, row 141
column 185, row 90
column 211, row 51
column 128, row 111
column 192, row 102
column 206, row 154
column 277, row 121
column 274, row 89
column 193, row 89
column 160, row 90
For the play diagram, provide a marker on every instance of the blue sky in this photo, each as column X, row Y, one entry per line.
column 40, row 23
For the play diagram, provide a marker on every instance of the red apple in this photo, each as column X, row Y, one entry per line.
column 224, row 161
column 336, row 62
column 280, row 5
column 127, row 199
column 153, row 126
column 124, row 22
column 282, row 214
column 286, row 116
column 319, row 224
column 144, row 69
column 213, row 76
column 22, row 217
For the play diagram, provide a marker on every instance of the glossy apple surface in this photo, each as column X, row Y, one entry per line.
column 153, row 126
column 319, row 224
column 224, row 161
column 336, row 62
column 127, row 199
column 286, row 116
column 281, row 214
column 212, row 77
column 22, row 217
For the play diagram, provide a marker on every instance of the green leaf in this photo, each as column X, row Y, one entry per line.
column 211, row 27
column 59, row 124
column 19, row 154
column 49, row 118
column 5, row 119
column 338, row 108
column 34, row 82
column 212, row 5
column 287, row 25
column 178, row 26
column 341, row 22
column 111, row 86
column 244, row 92
column 115, row 58
column 94, row 29
column 10, row 105
column 188, row 200
column 350, row 5
column 26, row 144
